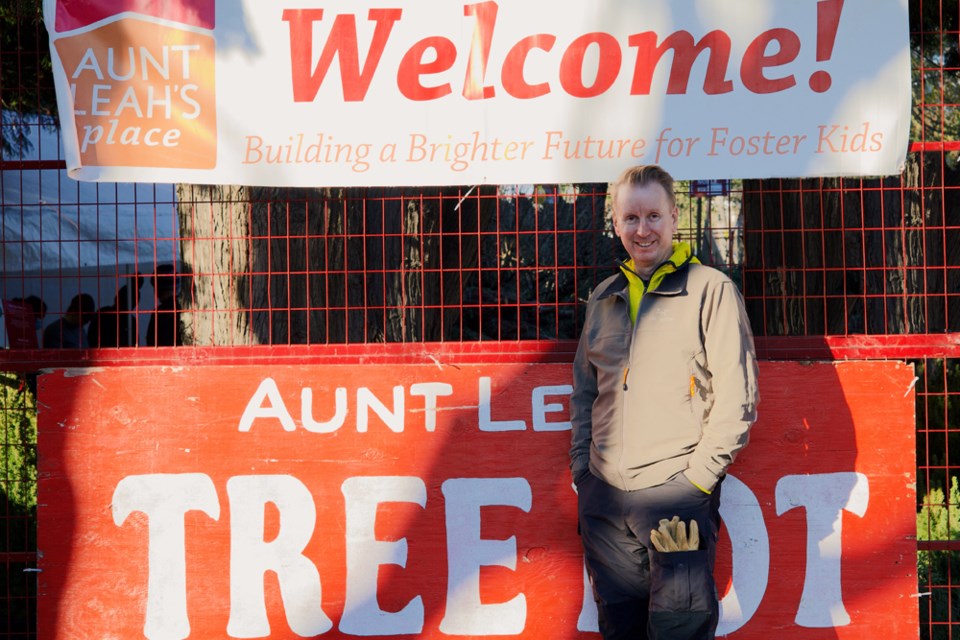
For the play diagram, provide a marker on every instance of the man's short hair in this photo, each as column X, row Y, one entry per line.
column 641, row 175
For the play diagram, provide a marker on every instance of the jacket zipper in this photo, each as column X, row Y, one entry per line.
column 623, row 400
column 633, row 332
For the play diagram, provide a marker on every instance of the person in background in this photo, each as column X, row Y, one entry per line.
column 664, row 395
column 67, row 332
column 163, row 329
column 37, row 307
column 111, row 326
column 38, row 310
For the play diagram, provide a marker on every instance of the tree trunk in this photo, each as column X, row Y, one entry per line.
column 822, row 260
column 365, row 265
column 298, row 266
column 215, row 247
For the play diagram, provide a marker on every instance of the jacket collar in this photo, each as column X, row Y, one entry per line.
column 674, row 282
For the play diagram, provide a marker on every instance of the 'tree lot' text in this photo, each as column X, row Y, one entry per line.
column 166, row 499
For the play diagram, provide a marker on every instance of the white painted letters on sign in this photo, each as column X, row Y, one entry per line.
column 362, row 615
column 165, row 499
column 251, row 556
column 825, row 497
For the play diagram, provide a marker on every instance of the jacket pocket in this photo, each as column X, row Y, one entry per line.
column 701, row 388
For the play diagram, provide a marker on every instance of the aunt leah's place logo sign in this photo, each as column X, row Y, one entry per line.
column 141, row 82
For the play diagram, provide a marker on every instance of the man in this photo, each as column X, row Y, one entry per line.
column 111, row 326
column 664, row 394
column 67, row 332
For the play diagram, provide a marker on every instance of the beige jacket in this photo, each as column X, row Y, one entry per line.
column 675, row 392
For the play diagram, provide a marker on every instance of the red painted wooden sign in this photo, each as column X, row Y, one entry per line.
column 434, row 500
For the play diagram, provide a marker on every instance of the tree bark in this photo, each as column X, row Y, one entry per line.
column 826, row 257
column 215, row 248
column 366, row 265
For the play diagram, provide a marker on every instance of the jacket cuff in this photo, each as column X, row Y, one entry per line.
column 703, row 480
column 578, row 476
column 579, row 465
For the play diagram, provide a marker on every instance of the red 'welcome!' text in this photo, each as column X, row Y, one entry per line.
column 424, row 70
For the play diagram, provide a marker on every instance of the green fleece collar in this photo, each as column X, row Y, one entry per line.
column 682, row 255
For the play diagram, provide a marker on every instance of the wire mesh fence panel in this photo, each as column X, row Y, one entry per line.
column 18, row 414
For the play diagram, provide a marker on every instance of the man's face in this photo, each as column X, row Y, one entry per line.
column 645, row 221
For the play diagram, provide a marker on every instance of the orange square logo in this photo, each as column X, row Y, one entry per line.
column 143, row 95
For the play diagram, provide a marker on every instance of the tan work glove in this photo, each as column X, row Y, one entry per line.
column 672, row 536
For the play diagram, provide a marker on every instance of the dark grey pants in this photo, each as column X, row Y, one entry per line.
column 640, row 592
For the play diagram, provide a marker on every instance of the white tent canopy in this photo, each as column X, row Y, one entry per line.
column 60, row 237
column 53, row 223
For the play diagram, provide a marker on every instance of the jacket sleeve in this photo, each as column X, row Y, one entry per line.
column 581, row 403
column 732, row 363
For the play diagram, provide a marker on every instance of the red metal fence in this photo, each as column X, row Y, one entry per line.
column 830, row 268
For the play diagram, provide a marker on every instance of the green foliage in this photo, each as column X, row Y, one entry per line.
column 938, row 519
column 18, row 460
column 26, row 75
column 18, row 484
column 936, row 85
column 938, row 420
column 938, row 513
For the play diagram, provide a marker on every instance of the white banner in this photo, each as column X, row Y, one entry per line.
column 393, row 92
